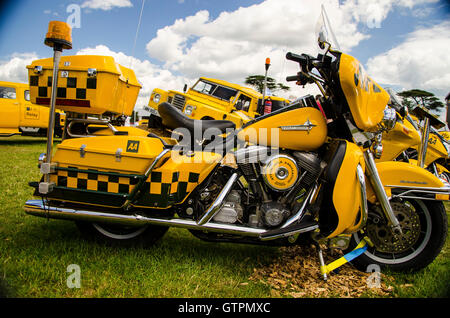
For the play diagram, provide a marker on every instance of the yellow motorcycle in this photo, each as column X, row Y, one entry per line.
column 405, row 143
column 293, row 174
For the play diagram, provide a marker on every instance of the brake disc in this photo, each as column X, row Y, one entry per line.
column 383, row 238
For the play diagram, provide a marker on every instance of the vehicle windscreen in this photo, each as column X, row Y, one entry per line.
column 215, row 90
column 7, row 92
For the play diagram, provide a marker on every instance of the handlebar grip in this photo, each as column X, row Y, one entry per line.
column 293, row 78
column 295, row 57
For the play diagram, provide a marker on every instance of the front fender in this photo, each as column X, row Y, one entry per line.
column 401, row 179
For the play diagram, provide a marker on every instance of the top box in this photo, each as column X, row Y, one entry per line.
column 90, row 84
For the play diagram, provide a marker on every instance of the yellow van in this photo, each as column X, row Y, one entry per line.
column 216, row 99
column 18, row 116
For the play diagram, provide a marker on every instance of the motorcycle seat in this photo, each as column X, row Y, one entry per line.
column 173, row 118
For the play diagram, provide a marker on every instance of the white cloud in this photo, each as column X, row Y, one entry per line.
column 235, row 44
column 421, row 61
column 149, row 75
column 14, row 69
column 106, row 5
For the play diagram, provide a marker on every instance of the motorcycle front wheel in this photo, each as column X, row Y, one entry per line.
column 424, row 230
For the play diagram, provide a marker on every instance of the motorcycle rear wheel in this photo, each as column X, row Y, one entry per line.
column 122, row 235
column 424, row 227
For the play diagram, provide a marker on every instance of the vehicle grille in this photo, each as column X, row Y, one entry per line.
column 178, row 101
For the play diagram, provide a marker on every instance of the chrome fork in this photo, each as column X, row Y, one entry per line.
column 380, row 193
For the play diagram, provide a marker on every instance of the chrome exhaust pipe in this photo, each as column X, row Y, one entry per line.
column 41, row 209
column 218, row 202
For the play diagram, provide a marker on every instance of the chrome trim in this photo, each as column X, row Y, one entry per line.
column 389, row 118
column 374, row 178
column 39, row 208
column 424, row 143
column 307, row 126
column 415, row 192
column 286, row 234
column 179, row 101
column 377, row 147
column 297, row 216
column 441, row 190
column 147, row 173
column 38, row 69
column 253, row 154
column 218, row 202
column 362, row 188
column 92, row 72
column 71, row 121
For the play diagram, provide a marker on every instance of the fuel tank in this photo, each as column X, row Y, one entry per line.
column 292, row 127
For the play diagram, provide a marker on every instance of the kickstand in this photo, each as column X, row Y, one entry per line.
column 323, row 268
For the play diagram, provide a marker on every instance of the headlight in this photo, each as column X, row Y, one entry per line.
column 189, row 110
column 389, row 118
column 156, row 98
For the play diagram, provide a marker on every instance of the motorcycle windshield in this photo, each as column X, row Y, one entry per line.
column 324, row 33
column 366, row 99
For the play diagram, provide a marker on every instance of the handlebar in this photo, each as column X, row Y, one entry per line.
column 295, row 57
column 293, row 78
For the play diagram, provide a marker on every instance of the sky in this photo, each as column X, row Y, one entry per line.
column 402, row 44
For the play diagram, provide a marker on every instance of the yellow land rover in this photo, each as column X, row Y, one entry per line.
column 216, row 99
column 18, row 116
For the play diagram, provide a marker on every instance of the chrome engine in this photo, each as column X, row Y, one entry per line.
column 274, row 179
column 232, row 210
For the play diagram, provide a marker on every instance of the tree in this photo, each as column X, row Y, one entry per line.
column 418, row 97
column 257, row 81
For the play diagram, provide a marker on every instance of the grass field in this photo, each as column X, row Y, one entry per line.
column 35, row 254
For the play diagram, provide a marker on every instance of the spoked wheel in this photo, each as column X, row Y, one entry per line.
column 424, row 230
column 122, row 235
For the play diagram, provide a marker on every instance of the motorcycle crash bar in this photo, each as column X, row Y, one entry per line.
column 41, row 208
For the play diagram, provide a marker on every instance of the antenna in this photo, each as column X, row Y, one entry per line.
column 137, row 31
column 135, row 40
